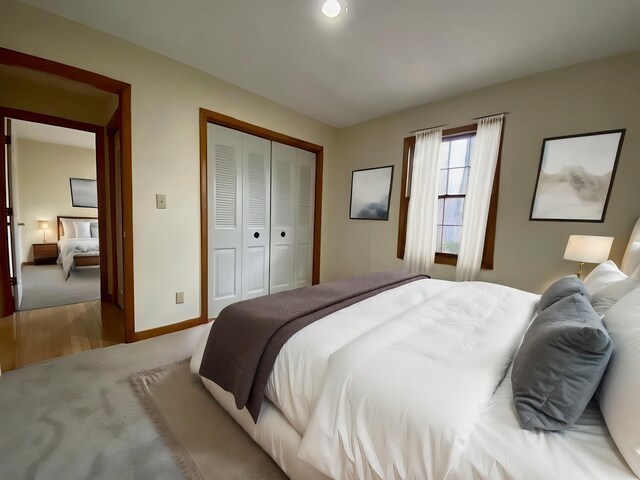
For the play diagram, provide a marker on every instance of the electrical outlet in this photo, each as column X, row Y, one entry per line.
column 161, row 201
column 179, row 297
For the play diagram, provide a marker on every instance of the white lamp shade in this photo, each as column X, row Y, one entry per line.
column 588, row 249
column 43, row 225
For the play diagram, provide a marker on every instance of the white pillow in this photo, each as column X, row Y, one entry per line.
column 606, row 298
column 94, row 230
column 636, row 274
column 631, row 258
column 69, row 229
column 83, row 229
column 620, row 386
column 602, row 276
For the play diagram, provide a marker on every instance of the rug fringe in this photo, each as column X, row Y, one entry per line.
column 182, row 459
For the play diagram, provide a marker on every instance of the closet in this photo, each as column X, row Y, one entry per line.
column 260, row 216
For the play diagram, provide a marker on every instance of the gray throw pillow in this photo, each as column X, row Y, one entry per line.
column 559, row 364
column 563, row 288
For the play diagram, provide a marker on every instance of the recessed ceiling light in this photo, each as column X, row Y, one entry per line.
column 331, row 8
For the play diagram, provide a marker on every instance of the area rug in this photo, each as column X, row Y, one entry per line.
column 205, row 441
column 45, row 286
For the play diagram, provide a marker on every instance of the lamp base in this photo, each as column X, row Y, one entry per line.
column 580, row 265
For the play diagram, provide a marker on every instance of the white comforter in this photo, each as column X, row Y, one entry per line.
column 401, row 400
column 71, row 247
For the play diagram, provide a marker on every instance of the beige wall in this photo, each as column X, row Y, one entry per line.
column 46, row 94
column 43, row 172
column 589, row 97
column 166, row 96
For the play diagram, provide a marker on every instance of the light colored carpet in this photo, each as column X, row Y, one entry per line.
column 77, row 417
column 205, row 440
column 44, row 286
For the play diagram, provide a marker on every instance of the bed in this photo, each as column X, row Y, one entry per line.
column 415, row 383
column 77, row 251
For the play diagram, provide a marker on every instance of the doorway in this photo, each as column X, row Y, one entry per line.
column 111, row 264
column 54, row 216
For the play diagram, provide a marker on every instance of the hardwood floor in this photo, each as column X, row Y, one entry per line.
column 37, row 335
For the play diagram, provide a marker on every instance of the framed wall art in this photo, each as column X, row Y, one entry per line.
column 371, row 193
column 575, row 177
column 84, row 192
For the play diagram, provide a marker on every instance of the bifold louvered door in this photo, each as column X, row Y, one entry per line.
column 239, row 168
column 283, row 175
column 292, row 209
column 260, row 217
column 255, row 213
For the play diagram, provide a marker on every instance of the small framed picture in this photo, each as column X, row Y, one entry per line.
column 371, row 193
column 84, row 192
column 575, row 177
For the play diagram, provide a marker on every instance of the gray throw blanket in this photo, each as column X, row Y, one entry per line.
column 247, row 336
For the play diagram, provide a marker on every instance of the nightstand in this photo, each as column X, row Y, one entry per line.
column 45, row 253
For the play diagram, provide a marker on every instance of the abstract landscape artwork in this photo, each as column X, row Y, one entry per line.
column 84, row 192
column 575, row 177
column 370, row 193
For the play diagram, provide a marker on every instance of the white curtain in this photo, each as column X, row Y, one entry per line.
column 476, row 205
column 420, row 247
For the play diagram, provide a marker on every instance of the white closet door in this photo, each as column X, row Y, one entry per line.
column 256, row 153
column 224, row 178
column 283, row 173
column 305, row 196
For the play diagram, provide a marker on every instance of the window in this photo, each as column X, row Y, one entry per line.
column 455, row 163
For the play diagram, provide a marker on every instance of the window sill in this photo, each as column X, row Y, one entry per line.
column 452, row 260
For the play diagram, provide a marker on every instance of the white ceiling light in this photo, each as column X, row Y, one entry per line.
column 331, row 8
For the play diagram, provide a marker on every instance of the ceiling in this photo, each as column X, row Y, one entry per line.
column 52, row 134
column 380, row 57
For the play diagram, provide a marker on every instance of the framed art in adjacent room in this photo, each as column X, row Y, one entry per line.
column 371, row 193
column 575, row 177
column 84, row 192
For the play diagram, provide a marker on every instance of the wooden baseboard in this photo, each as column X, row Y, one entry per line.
column 27, row 263
column 174, row 327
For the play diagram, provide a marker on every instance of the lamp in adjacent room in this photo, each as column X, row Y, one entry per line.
column 43, row 225
column 587, row 249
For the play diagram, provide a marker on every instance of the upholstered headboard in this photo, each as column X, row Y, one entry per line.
column 61, row 228
column 628, row 263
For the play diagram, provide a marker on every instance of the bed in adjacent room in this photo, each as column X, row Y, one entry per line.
column 419, row 381
column 78, row 243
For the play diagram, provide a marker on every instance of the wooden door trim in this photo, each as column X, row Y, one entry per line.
column 208, row 116
column 123, row 90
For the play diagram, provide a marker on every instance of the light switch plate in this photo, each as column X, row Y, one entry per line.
column 161, row 201
column 179, row 297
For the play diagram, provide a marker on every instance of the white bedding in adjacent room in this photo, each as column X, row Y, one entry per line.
column 69, row 248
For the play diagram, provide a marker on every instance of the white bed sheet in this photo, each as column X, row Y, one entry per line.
column 499, row 449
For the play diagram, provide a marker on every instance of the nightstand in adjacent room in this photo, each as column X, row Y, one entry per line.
column 45, row 253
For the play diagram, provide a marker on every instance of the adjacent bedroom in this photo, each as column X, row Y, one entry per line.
column 56, row 216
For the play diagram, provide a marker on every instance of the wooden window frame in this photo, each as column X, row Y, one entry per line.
column 490, row 235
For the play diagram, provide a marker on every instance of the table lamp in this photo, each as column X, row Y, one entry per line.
column 43, row 225
column 587, row 249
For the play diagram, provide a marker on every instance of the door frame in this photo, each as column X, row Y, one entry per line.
column 123, row 90
column 15, row 114
column 209, row 116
